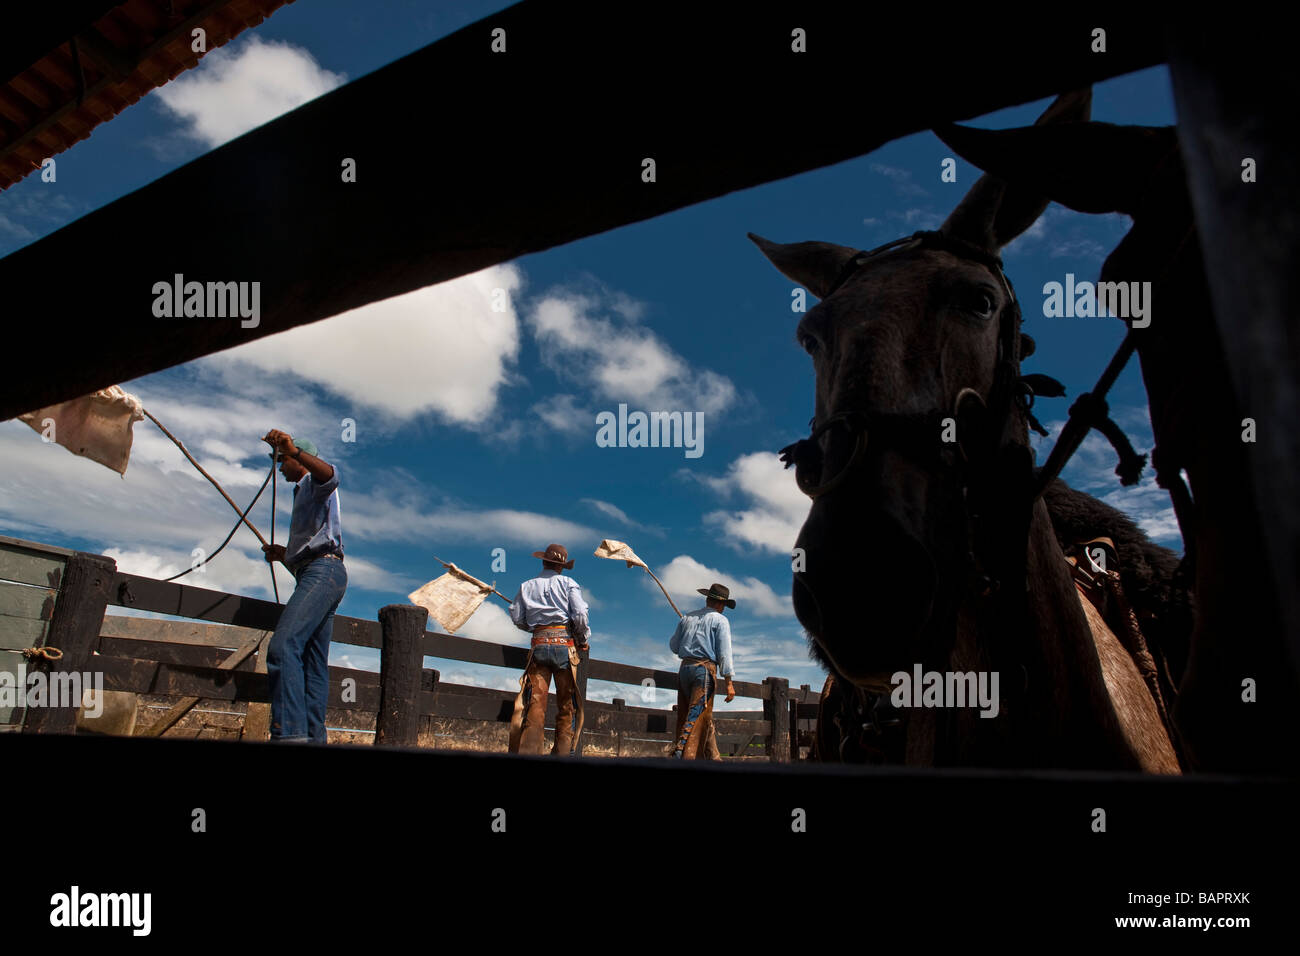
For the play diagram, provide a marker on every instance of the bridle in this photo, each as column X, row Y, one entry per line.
column 979, row 464
column 916, row 434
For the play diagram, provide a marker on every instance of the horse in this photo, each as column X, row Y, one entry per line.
column 1198, row 421
column 926, row 548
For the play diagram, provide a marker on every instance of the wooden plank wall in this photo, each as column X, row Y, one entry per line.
column 29, row 582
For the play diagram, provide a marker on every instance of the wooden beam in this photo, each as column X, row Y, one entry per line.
column 257, row 721
column 1250, row 238
column 271, row 206
column 73, row 629
column 177, row 632
column 398, row 723
column 182, row 706
column 777, row 710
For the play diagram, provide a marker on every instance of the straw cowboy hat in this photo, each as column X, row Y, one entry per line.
column 556, row 553
column 720, row 593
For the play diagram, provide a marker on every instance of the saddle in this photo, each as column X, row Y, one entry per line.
column 1093, row 566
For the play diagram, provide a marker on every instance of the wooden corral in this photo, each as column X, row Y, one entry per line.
column 205, row 677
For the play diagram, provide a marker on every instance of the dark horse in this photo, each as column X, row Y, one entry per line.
column 925, row 547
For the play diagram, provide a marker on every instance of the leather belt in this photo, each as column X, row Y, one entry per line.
column 552, row 640
column 538, row 639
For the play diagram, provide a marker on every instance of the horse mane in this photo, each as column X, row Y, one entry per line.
column 1149, row 573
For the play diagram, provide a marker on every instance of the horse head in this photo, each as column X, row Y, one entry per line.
column 916, row 348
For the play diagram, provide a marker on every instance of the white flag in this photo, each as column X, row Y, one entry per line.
column 96, row 426
column 451, row 598
column 618, row 551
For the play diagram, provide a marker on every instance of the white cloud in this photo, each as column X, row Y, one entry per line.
column 776, row 508
column 439, row 349
column 381, row 516
column 901, row 179
column 491, row 622
column 240, row 87
column 151, row 519
column 594, row 339
column 683, row 575
column 619, row 515
column 563, row 413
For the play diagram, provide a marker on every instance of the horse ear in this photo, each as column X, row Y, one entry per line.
column 997, row 208
column 1089, row 167
column 814, row 265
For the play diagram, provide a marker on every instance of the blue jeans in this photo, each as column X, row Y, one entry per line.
column 297, row 662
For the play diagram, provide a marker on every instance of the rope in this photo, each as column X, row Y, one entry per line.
column 228, row 537
column 274, row 586
column 48, row 653
column 185, row 451
column 243, row 515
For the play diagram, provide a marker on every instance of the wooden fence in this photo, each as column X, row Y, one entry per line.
column 56, row 597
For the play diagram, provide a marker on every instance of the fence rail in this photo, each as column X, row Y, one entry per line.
column 218, row 655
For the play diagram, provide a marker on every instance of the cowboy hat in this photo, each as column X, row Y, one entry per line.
column 556, row 553
column 720, row 593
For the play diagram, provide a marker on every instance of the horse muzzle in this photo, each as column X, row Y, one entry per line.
column 866, row 592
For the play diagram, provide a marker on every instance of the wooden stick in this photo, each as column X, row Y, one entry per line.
column 185, row 452
column 662, row 588
column 494, row 590
column 183, row 706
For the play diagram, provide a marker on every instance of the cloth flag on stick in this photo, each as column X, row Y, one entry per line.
column 95, row 426
column 452, row 598
column 621, row 551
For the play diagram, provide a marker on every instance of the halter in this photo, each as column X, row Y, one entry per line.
column 977, row 465
column 910, row 432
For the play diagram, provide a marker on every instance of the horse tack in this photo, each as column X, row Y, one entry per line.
column 909, row 432
column 995, row 485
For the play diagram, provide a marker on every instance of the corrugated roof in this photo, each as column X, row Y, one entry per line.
column 92, row 76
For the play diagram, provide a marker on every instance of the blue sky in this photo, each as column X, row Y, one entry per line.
column 476, row 429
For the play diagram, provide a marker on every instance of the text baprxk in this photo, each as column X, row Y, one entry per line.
column 212, row 300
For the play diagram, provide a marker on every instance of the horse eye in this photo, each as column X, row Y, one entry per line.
column 809, row 344
column 981, row 303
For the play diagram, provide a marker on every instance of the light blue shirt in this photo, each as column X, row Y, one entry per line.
column 314, row 528
column 704, row 634
column 551, row 598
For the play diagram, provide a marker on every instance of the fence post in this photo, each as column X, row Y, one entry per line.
column 777, row 710
column 619, row 704
column 74, row 629
column 795, row 756
column 400, row 657
column 582, row 694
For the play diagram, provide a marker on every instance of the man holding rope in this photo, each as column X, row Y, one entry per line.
column 551, row 608
column 703, row 642
column 297, row 662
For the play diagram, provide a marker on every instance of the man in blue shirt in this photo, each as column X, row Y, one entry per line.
column 297, row 661
column 551, row 608
column 703, row 641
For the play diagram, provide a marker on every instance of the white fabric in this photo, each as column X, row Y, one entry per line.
column 618, row 551
column 95, row 426
column 451, row 598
